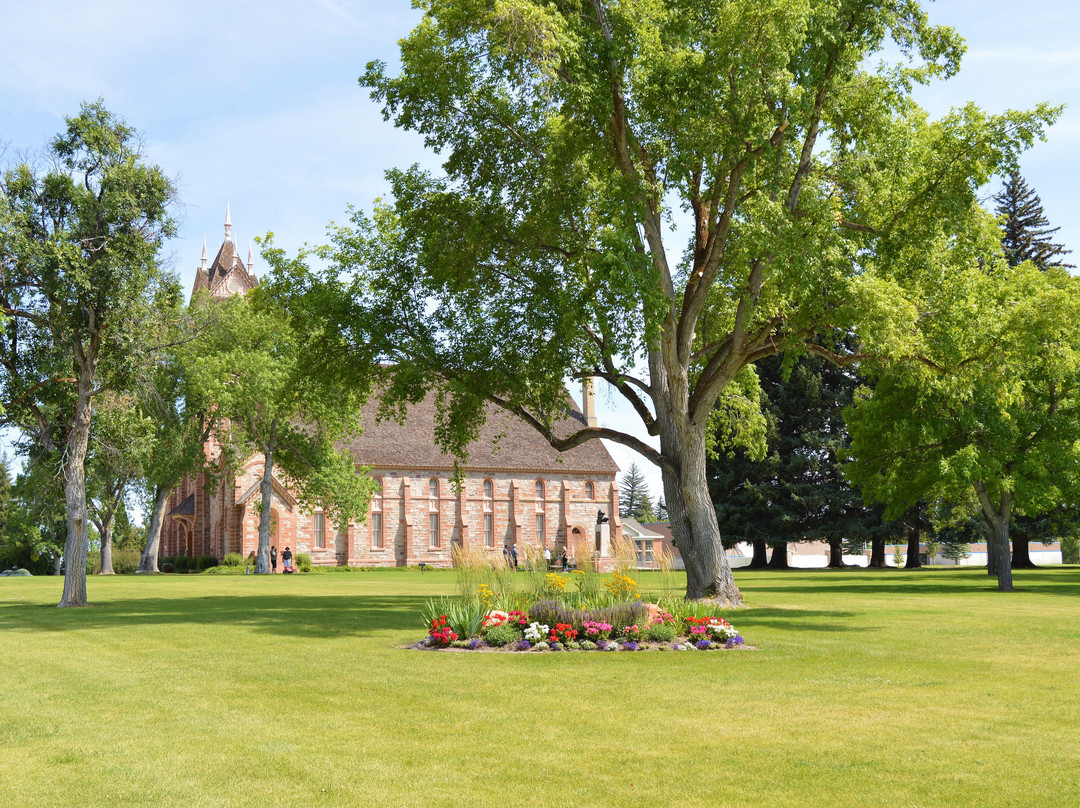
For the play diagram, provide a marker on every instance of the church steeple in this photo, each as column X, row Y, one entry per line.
column 226, row 275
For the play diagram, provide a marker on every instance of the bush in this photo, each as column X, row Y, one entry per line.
column 661, row 632
column 303, row 562
column 233, row 560
column 206, row 561
column 503, row 634
column 166, row 564
column 125, row 562
column 181, row 563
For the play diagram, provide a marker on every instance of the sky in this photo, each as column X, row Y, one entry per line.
column 256, row 105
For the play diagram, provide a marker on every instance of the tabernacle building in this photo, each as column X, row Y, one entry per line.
column 517, row 489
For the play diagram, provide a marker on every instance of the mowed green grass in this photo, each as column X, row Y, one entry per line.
column 868, row 688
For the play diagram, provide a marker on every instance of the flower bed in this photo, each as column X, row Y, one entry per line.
column 552, row 626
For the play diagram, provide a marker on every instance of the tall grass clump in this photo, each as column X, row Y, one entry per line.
column 482, row 575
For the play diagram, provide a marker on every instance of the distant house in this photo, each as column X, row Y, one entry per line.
column 517, row 489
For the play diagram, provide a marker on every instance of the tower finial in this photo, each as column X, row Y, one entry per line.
column 228, row 222
column 203, row 251
column 251, row 257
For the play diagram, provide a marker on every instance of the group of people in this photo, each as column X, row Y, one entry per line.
column 510, row 553
column 286, row 560
column 563, row 560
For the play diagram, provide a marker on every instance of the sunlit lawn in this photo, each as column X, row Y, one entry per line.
column 891, row 688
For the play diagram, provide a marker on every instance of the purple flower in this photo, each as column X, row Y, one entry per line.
column 629, row 646
column 522, row 645
column 734, row 641
column 476, row 642
column 703, row 645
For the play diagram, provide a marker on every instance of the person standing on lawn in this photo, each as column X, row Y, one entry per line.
column 273, row 560
column 286, row 560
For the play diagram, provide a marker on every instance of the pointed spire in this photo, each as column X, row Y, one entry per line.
column 251, row 257
column 228, row 222
column 203, row 251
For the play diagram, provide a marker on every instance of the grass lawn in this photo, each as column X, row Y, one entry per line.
column 869, row 688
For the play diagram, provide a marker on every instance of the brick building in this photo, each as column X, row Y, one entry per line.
column 517, row 489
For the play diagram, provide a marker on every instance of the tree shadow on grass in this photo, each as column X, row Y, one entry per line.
column 798, row 620
column 926, row 581
column 287, row 615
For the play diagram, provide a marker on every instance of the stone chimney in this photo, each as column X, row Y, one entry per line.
column 588, row 401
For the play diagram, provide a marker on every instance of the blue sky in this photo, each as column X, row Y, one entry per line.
column 257, row 103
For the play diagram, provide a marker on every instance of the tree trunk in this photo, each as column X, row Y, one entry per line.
column 877, row 553
column 1021, row 554
column 913, row 542
column 105, row 529
column 996, row 523
column 760, row 559
column 779, row 556
column 74, row 468
column 692, row 517
column 836, row 553
column 262, row 558
column 149, row 561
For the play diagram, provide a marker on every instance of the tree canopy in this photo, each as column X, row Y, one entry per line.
column 994, row 425
column 79, row 277
column 254, row 369
column 812, row 196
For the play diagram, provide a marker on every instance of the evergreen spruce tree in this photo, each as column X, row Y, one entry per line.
column 1025, row 230
column 1026, row 236
column 634, row 500
column 797, row 493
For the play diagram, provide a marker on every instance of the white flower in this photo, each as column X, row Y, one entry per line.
column 536, row 631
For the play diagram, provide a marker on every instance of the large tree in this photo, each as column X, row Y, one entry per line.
column 79, row 269
column 582, row 139
column 992, row 426
column 255, row 370
column 796, row 492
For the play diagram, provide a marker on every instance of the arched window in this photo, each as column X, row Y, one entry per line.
column 590, row 491
column 539, row 496
column 489, row 489
column 489, row 516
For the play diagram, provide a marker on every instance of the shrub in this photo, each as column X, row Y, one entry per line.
column 503, row 634
column 206, row 561
column 303, row 562
column 180, row 563
column 126, row 561
column 661, row 632
column 167, row 565
column 233, row 560
column 587, row 645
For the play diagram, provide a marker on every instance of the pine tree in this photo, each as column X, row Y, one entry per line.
column 634, row 500
column 797, row 493
column 1026, row 237
column 1025, row 230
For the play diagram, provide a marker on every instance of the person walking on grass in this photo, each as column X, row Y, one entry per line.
column 286, row 560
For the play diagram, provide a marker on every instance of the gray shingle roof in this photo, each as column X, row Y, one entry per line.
column 411, row 445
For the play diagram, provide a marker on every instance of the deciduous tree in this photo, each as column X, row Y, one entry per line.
column 993, row 425
column 79, row 268
column 814, row 192
column 256, row 372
